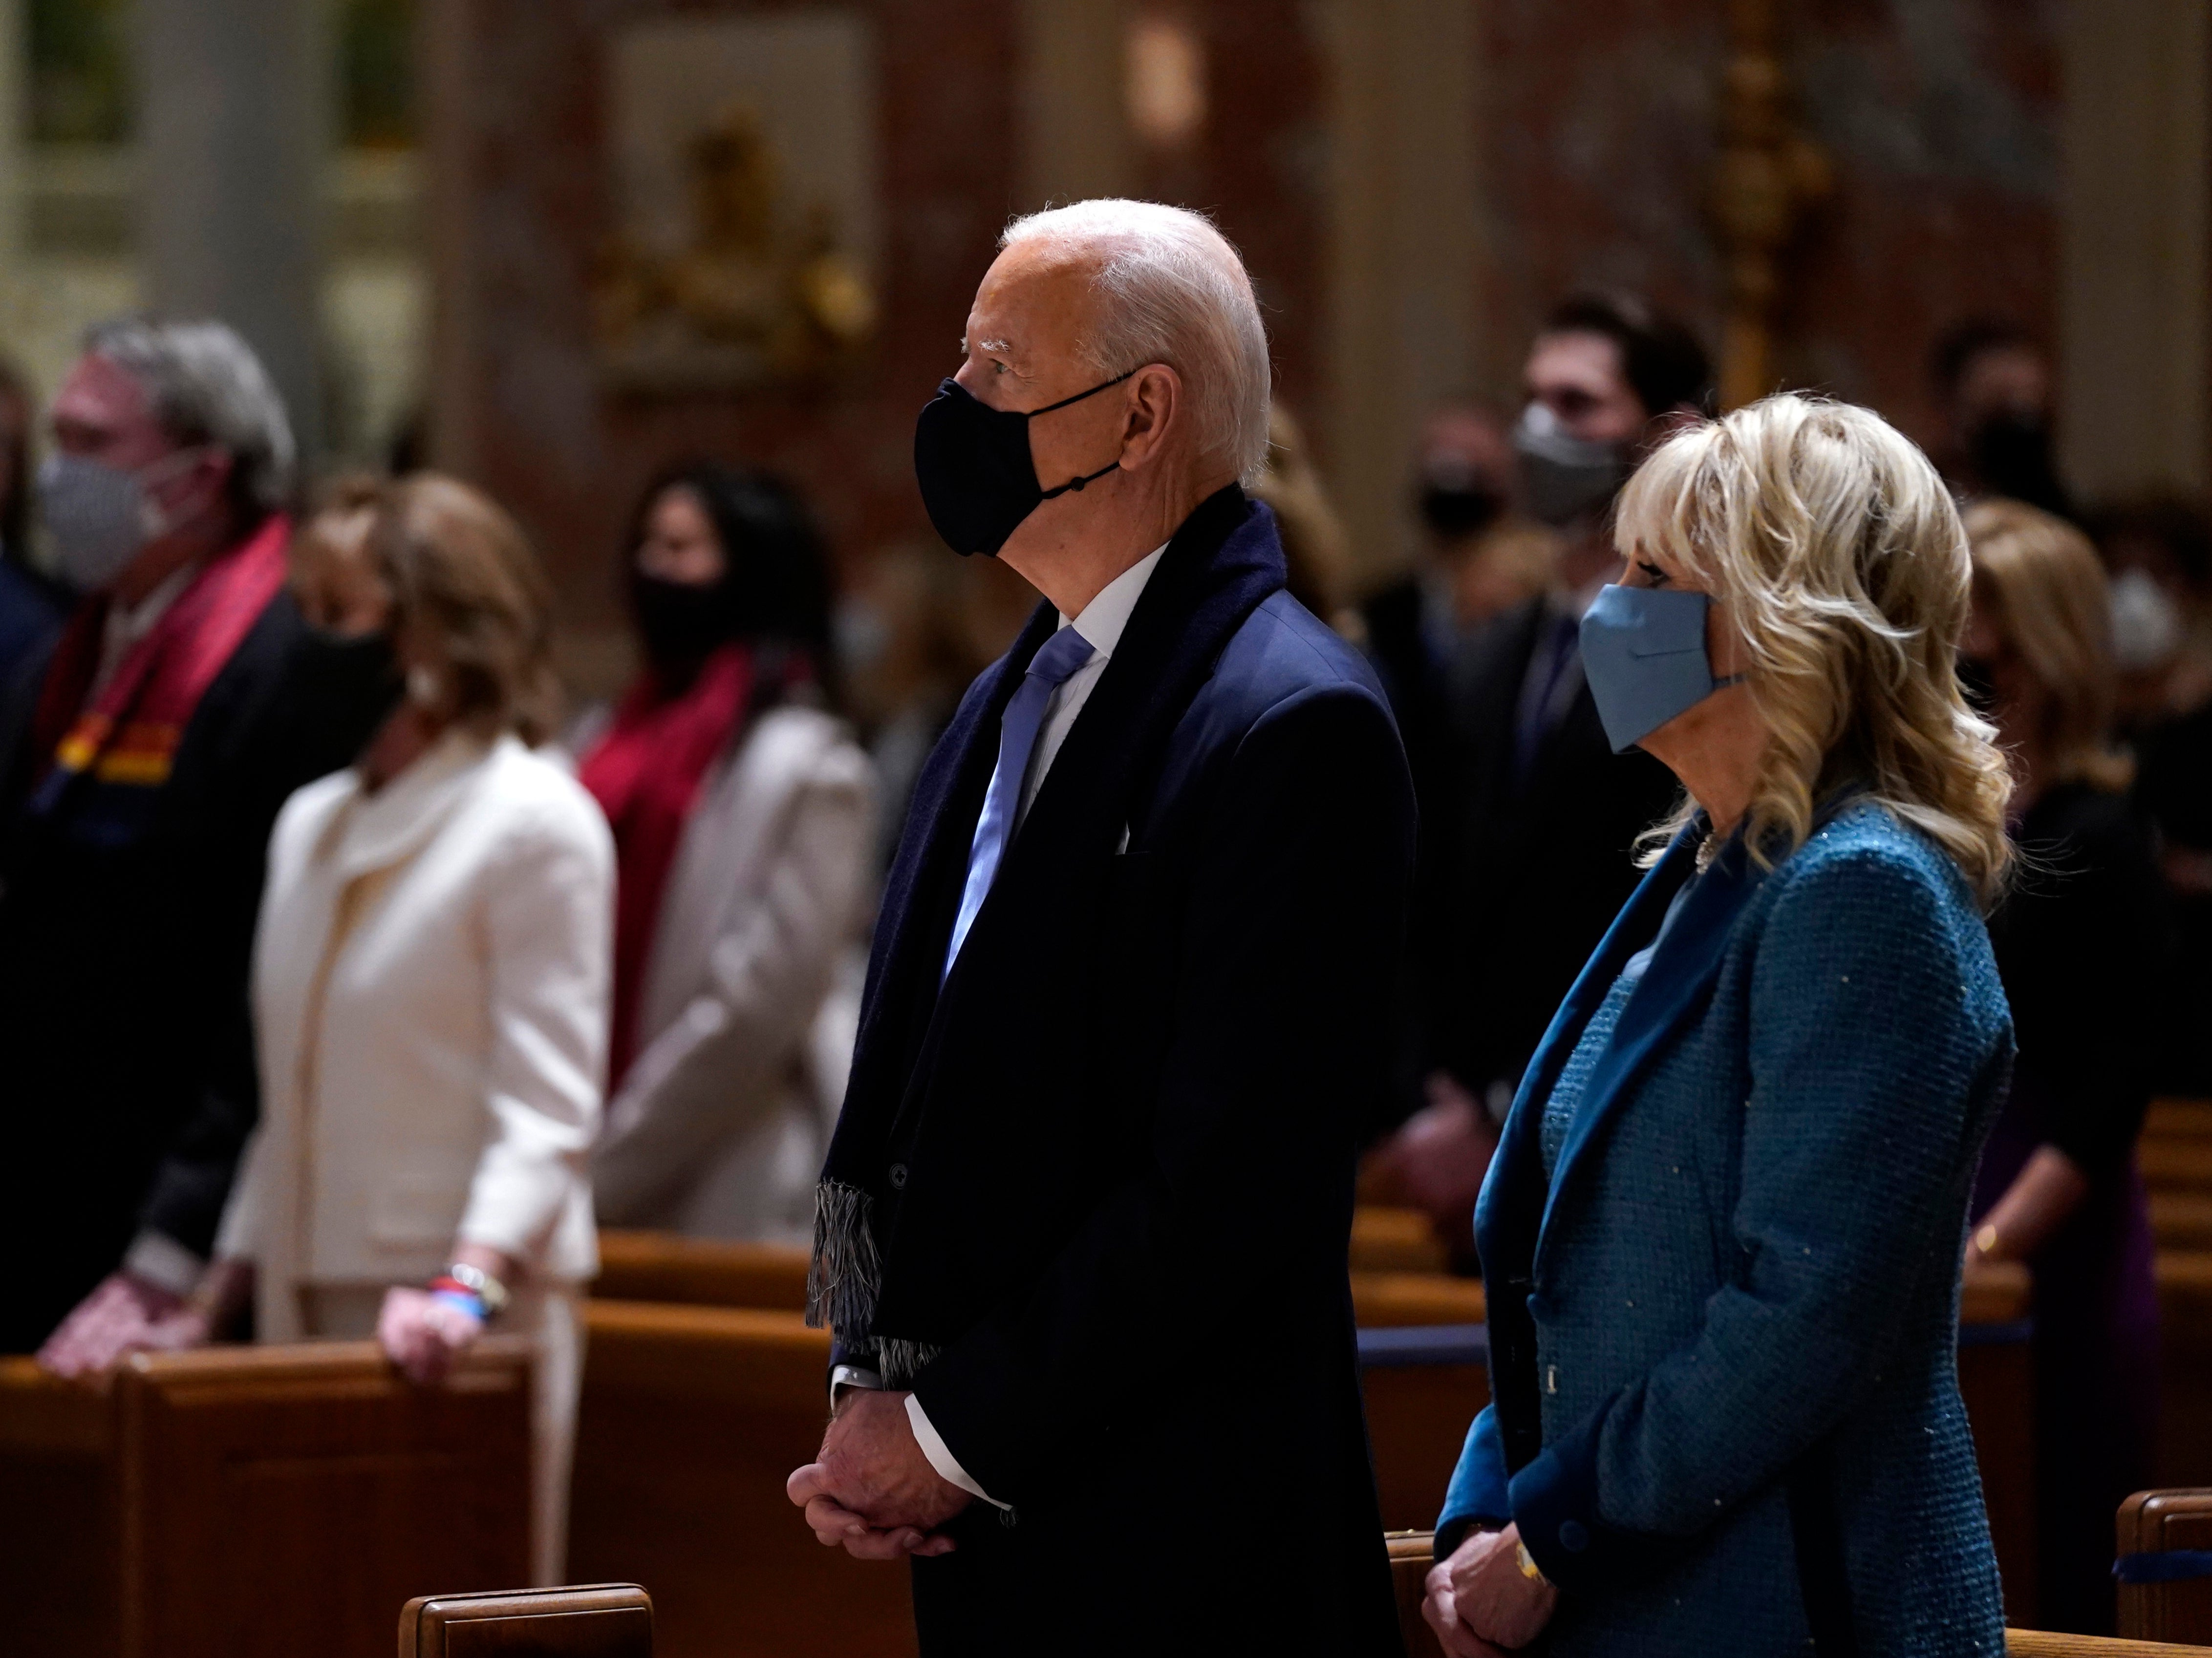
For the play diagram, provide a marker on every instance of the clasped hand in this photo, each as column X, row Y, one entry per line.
column 1480, row 1603
column 870, row 1488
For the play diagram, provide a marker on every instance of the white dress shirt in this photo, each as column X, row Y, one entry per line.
column 1102, row 623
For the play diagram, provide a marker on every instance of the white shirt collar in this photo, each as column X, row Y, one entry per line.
column 1105, row 616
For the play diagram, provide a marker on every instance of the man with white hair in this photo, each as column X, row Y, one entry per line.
column 185, row 700
column 1082, row 1232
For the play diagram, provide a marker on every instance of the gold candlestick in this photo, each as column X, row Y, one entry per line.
column 1769, row 174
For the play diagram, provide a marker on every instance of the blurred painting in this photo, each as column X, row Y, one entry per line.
column 743, row 153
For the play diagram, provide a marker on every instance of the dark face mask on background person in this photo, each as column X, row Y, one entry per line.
column 2011, row 452
column 1567, row 477
column 352, row 681
column 1455, row 504
column 681, row 622
column 978, row 479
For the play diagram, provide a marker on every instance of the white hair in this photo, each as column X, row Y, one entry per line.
column 1171, row 289
column 206, row 386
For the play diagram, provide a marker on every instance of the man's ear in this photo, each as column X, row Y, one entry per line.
column 1151, row 413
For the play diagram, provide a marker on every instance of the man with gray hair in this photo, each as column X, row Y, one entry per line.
column 145, row 761
column 1082, row 1233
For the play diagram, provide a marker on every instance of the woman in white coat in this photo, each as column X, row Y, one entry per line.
column 430, row 991
column 740, row 807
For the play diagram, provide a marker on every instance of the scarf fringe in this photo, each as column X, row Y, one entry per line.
column 846, row 1275
column 900, row 1361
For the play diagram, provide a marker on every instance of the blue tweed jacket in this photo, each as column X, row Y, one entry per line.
column 1723, row 1336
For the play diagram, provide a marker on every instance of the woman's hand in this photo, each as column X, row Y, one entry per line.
column 1480, row 1601
column 422, row 1334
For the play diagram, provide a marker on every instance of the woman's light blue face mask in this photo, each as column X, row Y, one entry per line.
column 1644, row 653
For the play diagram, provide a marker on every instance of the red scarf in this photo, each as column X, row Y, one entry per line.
column 646, row 774
column 126, row 739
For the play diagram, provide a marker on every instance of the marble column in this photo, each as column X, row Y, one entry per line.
column 235, row 130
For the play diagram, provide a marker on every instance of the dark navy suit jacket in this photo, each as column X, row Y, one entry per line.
column 1109, row 1164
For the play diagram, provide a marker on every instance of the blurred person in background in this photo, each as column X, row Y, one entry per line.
column 1479, row 558
column 32, row 604
column 913, row 633
column 741, row 811
column 1995, row 388
column 1540, row 789
column 2159, row 554
column 185, row 700
column 2081, row 943
column 430, row 985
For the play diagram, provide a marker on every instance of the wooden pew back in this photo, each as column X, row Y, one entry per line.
column 661, row 1267
column 2159, row 1527
column 692, row 1418
column 595, row 1620
column 277, row 1499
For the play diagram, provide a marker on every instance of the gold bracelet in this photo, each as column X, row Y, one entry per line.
column 1985, row 1241
column 1528, row 1566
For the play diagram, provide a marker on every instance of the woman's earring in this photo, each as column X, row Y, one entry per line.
column 425, row 689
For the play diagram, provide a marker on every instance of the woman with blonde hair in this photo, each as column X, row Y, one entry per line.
column 430, row 987
column 1723, row 1229
column 2081, row 944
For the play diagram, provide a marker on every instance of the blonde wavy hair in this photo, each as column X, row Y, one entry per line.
column 2040, row 582
column 1828, row 541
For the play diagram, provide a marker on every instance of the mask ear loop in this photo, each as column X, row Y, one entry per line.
column 1077, row 483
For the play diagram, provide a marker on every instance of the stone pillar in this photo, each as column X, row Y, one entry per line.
column 235, row 132
column 1404, row 251
column 2135, row 289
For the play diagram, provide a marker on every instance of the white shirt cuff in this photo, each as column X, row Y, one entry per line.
column 940, row 1458
column 161, row 1261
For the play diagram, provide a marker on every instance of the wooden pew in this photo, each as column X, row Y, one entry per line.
column 699, row 1272
column 1411, row 1558
column 661, row 1267
column 692, row 1418
column 250, row 1499
column 595, row 1620
column 2181, row 1220
column 2175, row 1150
column 2165, row 1545
column 1395, row 1241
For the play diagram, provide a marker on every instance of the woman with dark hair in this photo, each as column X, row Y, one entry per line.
column 740, row 808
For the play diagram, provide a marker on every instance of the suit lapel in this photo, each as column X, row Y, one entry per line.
column 1513, row 1195
column 1220, row 566
column 1672, row 992
column 1217, row 570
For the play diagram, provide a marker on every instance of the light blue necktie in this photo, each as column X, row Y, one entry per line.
column 1057, row 658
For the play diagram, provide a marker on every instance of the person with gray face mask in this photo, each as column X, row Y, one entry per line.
column 185, row 699
column 1540, row 790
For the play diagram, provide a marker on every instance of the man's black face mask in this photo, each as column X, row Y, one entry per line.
column 973, row 463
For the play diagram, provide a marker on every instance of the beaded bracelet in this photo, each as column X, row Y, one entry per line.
column 454, row 1293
